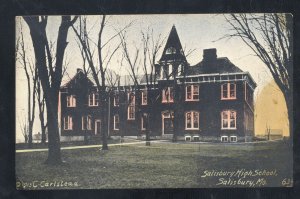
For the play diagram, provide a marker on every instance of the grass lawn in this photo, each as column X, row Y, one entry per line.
column 162, row 165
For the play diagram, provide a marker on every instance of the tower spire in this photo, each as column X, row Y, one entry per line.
column 173, row 50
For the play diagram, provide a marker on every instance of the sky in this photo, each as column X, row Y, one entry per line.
column 196, row 31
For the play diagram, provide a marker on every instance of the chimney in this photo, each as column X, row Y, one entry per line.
column 209, row 54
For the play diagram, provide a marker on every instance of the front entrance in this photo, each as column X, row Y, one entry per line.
column 97, row 127
column 167, row 123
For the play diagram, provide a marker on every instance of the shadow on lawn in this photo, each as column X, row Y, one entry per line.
column 162, row 165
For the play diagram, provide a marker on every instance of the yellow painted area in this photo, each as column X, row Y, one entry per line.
column 270, row 110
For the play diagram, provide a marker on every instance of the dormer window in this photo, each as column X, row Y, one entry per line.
column 171, row 50
column 71, row 101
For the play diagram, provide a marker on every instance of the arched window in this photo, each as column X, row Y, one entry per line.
column 228, row 119
column 167, row 95
column 171, row 50
column 192, row 120
column 71, row 101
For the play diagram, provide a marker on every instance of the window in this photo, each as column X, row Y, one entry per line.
column 192, row 93
column 131, row 106
column 144, row 97
column 187, row 138
column 86, row 122
column 228, row 119
column 71, row 101
column 116, row 122
column 116, row 100
column 224, row 138
column 167, row 95
column 131, row 110
column 192, row 120
column 196, row 138
column 228, row 91
column 233, row 138
column 179, row 70
column 162, row 72
column 94, row 99
column 171, row 50
column 68, row 123
column 170, row 70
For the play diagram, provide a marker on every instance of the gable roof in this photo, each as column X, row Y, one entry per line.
column 78, row 76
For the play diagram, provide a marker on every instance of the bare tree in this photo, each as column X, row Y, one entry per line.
column 31, row 77
column 24, row 128
column 151, row 47
column 145, row 62
column 270, row 37
column 50, row 73
column 133, row 62
column 99, row 69
column 41, row 104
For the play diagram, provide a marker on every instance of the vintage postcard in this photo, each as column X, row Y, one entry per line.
column 154, row 101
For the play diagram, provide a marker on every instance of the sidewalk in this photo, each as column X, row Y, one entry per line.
column 85, row 146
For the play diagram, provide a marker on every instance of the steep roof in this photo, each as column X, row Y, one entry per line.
column 79, row 76
column 173, row 49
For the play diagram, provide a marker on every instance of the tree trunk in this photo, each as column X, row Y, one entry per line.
column 43, row 135
column 41, row 104
column 30, row 136
column 147, row 132
column 104, row 119
column 54, row 155
column 289, row 105
column 147, row 137
column 176, row 107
